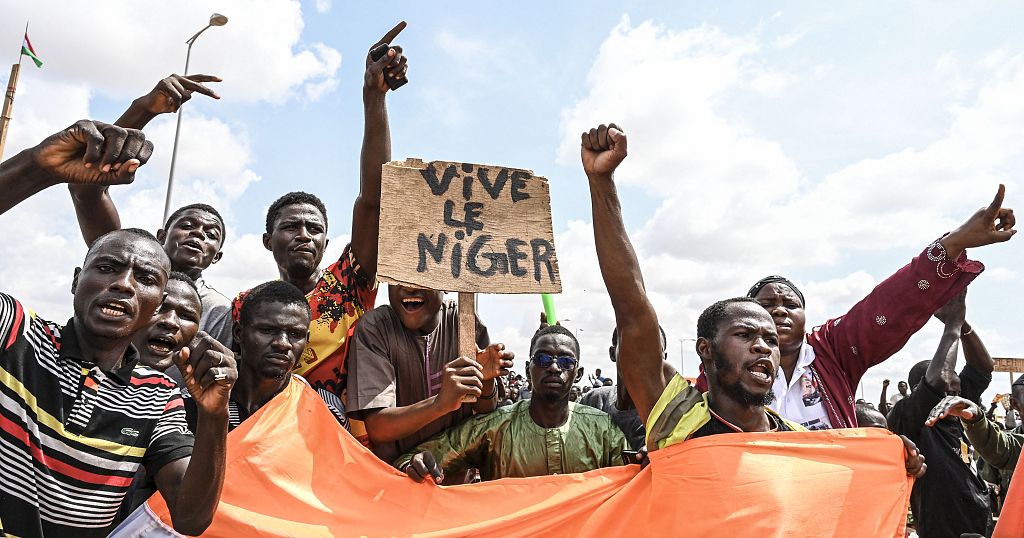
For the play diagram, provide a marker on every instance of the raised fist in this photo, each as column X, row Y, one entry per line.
column 93, row 153
column 602, row 149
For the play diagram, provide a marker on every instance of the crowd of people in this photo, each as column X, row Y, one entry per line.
column 137, row 392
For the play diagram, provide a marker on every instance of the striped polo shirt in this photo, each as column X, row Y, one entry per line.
column 71, row 435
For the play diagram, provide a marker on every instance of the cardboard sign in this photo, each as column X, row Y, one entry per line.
column 1009, row 365
column 466, row 227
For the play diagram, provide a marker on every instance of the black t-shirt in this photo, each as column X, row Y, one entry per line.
column 950, row 499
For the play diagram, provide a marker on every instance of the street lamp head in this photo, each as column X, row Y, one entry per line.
column 218, row 20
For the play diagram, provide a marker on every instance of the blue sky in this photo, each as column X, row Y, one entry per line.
column 826, row 142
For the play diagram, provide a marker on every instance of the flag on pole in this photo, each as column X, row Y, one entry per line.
column 27, row 50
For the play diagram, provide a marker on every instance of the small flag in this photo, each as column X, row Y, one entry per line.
column 27, row 50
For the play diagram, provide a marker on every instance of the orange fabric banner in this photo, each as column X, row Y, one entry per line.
column 292, row 471
column 1011, row 517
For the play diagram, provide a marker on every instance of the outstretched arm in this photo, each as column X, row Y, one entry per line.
column 998, row 448
column 640, row 354
column 88, row 152
column 376, row 149
column 94, row 208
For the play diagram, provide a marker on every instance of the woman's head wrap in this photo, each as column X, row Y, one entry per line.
column 776, row 279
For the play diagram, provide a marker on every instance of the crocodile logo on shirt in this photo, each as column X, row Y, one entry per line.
column 129, row 432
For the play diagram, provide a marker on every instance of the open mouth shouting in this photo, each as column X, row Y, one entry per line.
column 763, row 371
column 162, row 345
column 192, row 246
column 115, row 310
column 413, row 305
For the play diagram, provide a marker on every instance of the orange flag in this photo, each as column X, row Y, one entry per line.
column 292, row 471
column 1011, row 517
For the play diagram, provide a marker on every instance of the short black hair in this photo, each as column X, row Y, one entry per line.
column 137, row 232
column 178, row 275
column 202, row 207
column 555, row 329
column 868, row 416
column 294, row 198
column 712, row 316
column 275, row 291
column 916, row 373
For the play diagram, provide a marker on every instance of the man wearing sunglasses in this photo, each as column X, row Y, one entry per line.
column 544, row 435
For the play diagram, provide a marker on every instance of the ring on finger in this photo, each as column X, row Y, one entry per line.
column 220, row 359
column 220, row 376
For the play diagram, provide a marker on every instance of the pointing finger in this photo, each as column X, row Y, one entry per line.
column 197, row 87
column 997, row 202
column 392, row 34
column 204, row 78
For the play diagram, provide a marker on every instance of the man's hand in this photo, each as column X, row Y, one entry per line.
column 495, row 361
column 885, row 382
column 170, row 93
column 913, row 459
column 955, row 406
column 93, row 153
column 992, row 224
column 954, row 311
column 602, row 149
column 424, row 465
column 392, row 65
column 462, row 377
column 209, row 371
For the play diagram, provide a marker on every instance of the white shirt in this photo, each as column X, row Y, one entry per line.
column 800, row 400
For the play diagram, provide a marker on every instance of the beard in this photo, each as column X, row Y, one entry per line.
column 737, row 391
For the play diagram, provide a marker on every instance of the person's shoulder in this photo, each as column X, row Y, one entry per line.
column 582, row 410
column 210, row 296
column 597, row 397
column 382, row 314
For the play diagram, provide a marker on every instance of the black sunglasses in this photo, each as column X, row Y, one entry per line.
column 544, row 360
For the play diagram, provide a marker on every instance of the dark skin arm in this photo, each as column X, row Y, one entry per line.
column 376, row 149
column 192, row 487
column 88, row 152
column 640, row 355
column 975, row 352
column 943, row 365
column 883, row 402
column 94, row 208
column 462, row 377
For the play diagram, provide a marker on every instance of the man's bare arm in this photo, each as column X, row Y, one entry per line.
column 943, row 364
column 975, row 352
column 94, row 208
column 640, row 355
column 376, row 149
column 88, row 152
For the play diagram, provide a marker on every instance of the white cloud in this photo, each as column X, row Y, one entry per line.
column 734, row 206
column 323, row 6
column 124, row 50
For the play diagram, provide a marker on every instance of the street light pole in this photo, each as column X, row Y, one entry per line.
column 215, row 20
